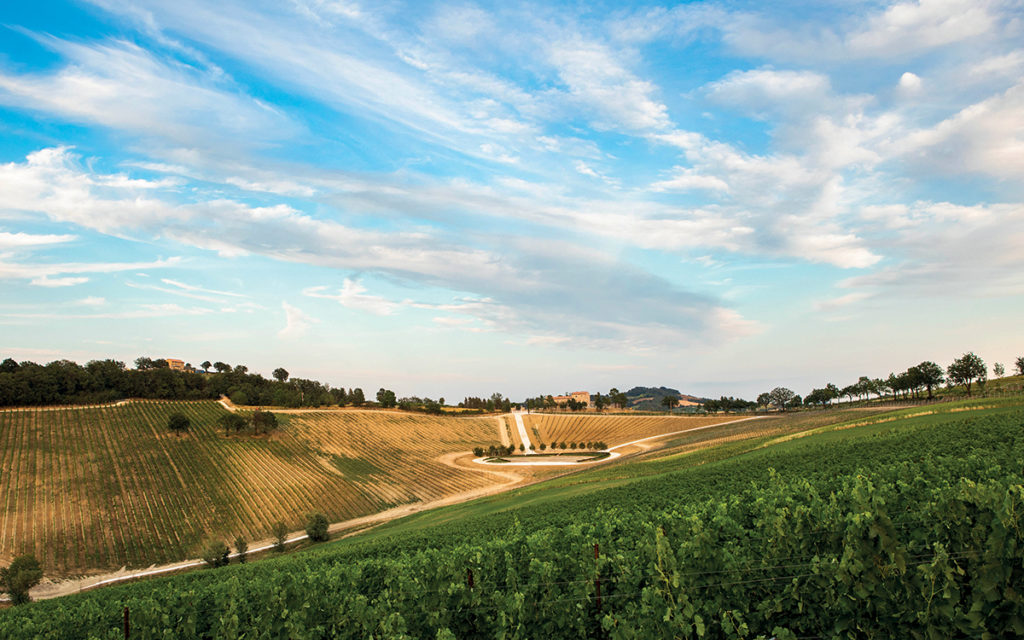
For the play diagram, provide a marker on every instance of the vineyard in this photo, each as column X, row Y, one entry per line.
column 910, row 528
column 613, row 429
column 100, row 488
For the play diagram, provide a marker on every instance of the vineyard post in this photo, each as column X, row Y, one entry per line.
column 127, row 629
column 597, row 577
column 469, row 578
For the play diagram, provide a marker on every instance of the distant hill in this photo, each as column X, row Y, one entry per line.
column 649, row 398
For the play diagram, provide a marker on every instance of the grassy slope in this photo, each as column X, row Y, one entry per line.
column 698, row 472
column 960, row 435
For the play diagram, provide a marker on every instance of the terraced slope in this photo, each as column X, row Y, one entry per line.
column 101, row 488
column 611, row 429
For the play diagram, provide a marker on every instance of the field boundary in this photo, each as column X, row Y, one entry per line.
column 612, row 454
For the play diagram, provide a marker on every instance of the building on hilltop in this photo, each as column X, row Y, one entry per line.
column 583, row 397
column 175, row 365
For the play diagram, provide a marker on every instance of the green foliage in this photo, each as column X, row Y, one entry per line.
column 17, row 579
column 386, row 398
column 178, row 422
column 781, row 397
column 904, row 529
column 966, row 369
column 231, row 422
column 263, row 421
column 280, row 532
column 316, row 527
column 242, row 549
column 215, row 554
column 356, row 397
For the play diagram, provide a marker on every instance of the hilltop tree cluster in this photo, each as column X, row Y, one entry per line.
column 497, row 402
column 728, row 405
column 66, row 382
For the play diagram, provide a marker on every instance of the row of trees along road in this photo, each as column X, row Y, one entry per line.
column 926, row 377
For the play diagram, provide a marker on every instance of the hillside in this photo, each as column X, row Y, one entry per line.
column 918, row 512
column 649, row 398
column 100, row 488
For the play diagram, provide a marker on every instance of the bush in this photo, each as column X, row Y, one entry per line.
column 23, row 574
column 178, row 422
column 280, row 531
column 216, row 554
column 478, row 452
column 543, row 446
column 316, row 527
column 242, row 547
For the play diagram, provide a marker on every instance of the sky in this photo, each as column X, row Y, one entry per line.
column 452, row 199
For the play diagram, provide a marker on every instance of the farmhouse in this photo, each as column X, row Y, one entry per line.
column 175, row 365
column 578, row 396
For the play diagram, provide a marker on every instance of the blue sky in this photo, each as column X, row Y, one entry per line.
column 451, row 199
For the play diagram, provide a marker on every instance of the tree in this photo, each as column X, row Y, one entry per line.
column 316, row 527
column 242, row 548
column 280, row 374
column 222, row 367
column 8, row 366
column 999, row 369
column 966, row 369
column 206, row 366
column 386, row 398
column 178, row 422
column 599, row 402
column 670, row 401
column 231, row 422
column 763, row 400
column 18, row 578
column 928, row 374
column 216, row 554
column 781, row 397
column 618, row 398
column 356, row 397
column 240, row 369
column 280, row 532
column 142, row 363
column 1019, row 366
column 263, row 421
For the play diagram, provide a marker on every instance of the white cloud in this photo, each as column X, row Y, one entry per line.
column 604, row 87
column 296, row 323
column 120, row 85
column 986, row 137
column 19, row 240
column 945, row 249
column 907, row 27
column 45, row 281
column 910, row 83
column 198, row 289
column 57, row 274
column 899, row 29
column 353, row 295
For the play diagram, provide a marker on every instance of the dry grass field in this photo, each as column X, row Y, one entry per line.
column 93, row 489
column 610, row 429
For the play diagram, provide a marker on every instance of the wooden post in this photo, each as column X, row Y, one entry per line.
column 127, row 628
column 469, row 577
column 597, row 576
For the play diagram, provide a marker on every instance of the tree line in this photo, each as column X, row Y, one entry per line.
column 66, row 382
column 967, row 371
